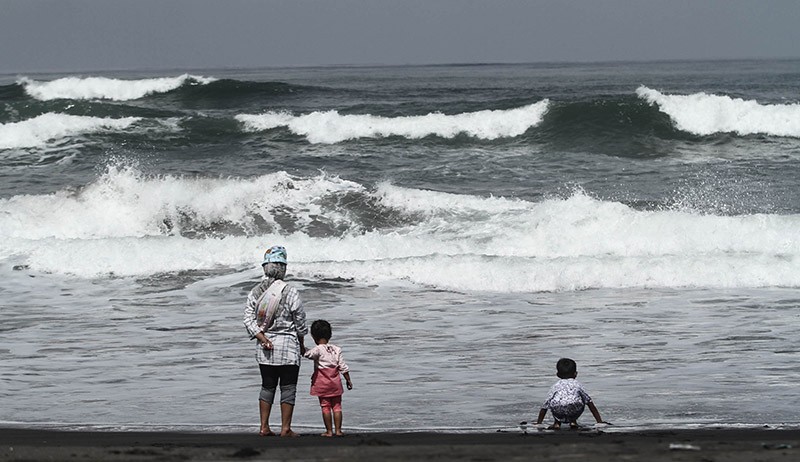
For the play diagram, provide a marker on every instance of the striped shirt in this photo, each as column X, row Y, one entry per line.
column 290, row 322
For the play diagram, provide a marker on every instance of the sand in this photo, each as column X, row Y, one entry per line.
column 17, row 444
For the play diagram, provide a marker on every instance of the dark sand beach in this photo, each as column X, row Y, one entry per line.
column 668, row 445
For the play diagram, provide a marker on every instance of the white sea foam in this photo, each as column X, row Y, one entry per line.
column 117, row 225
column 41, row 129
column 704, row 114
column 125, row 203
column 106, row 88
column 331, row 127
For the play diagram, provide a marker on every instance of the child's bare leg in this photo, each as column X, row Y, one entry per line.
column 326, row 419
column 337, row 418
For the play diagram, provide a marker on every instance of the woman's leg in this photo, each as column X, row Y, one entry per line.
column 286, row 419
column 288, row 380
column 269, row 382
column 264, row 409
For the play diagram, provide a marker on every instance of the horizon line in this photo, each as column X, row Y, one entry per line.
column 387, row 65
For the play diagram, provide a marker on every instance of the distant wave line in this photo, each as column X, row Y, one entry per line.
column 81, row 88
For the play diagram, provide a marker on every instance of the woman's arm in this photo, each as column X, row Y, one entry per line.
column 295, row 306
column 250, row 320
column 250, row 315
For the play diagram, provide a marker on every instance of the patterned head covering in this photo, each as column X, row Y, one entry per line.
column 275, row 254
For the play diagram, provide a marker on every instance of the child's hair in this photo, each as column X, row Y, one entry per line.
column 566, row 368
column 321, row 329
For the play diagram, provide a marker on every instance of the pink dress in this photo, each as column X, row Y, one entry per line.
column 328, row 364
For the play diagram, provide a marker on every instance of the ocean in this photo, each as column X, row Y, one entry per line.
column 462, row 227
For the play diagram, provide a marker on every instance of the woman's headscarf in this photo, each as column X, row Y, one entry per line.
column 274, row 263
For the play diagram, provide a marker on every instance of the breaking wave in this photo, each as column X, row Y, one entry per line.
column 128, row 223
column 40, row 130
column 331, row 127
column 704, row 114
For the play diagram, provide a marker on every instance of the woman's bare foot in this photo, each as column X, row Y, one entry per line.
column 339, row 434
column 290, row 434
column 266, row 432
column 326, row 434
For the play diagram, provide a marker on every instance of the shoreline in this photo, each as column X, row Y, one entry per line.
column 25, row 444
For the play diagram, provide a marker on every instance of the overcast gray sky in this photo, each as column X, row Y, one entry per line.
column 82, row 35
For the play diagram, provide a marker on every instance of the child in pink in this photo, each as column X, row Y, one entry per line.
column 325, row 382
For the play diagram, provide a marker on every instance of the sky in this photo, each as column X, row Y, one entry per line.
column 85, row 35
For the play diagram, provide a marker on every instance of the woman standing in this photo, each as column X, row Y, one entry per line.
column 274, row 316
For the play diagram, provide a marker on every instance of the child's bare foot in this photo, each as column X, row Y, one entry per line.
column 266, row 432
column 326, row 434
column 574, row 426
column 290, row 434
column 555, row 426
column 339, row 434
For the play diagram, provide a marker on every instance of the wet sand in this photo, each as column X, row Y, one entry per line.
column 669, row 445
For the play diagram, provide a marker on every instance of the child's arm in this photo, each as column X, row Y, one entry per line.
column 344, row 369
column 542, row 413
column 595, row 412
column 312, row 353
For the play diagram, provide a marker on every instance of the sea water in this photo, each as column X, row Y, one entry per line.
column 461, row 227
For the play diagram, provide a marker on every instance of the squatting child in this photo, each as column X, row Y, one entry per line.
column 567, row 397
column 325, row 381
